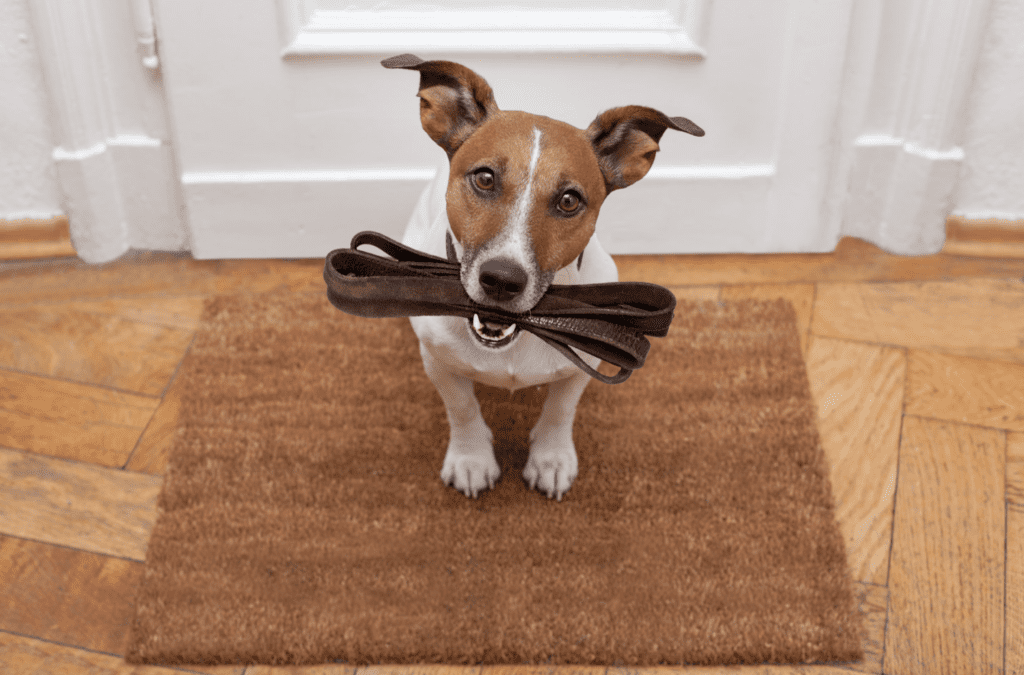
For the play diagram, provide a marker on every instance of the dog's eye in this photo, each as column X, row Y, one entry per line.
column 569, row 202
column 484, row 179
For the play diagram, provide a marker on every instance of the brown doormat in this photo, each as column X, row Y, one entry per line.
column 303, row 519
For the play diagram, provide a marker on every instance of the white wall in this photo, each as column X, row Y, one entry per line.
column 992, row 181
column 28, row 182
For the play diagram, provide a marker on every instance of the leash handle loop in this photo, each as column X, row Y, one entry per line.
column 610, row 321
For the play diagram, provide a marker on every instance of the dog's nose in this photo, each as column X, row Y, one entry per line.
column 502, row 279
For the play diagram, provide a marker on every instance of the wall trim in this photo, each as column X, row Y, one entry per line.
column 903, row 120
column 422, row 174
column 68, row 37
column 334, row 205
column 119, row 189
column 28, row 238
column 984, row 237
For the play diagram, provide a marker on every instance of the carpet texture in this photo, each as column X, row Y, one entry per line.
column 302, row 519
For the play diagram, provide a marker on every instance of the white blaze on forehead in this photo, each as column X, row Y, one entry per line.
column 519, row 218
column 534, row 155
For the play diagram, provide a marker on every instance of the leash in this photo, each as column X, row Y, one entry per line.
column 610, row 321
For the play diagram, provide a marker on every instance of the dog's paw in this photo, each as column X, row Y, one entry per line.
column 470, row 474
column 551, row 471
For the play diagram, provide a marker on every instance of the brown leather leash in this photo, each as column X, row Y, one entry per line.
column 610, row 321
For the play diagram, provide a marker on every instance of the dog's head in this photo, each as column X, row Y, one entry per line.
column 524, row 191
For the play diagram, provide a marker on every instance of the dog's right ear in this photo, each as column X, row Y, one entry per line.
column 454, row 100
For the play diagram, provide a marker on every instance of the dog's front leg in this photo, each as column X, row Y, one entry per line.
column 469, row 464
column 552, row 465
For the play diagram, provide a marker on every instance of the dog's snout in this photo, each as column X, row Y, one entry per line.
column 502, row 279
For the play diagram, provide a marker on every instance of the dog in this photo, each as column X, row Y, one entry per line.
column 517, row 207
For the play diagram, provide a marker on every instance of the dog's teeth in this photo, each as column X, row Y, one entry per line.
column 481, row 326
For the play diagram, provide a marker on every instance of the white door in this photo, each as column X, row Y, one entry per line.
column 290, row 137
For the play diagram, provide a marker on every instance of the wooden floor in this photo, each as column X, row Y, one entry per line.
column 916, row 364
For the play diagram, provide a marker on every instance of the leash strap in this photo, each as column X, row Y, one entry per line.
column 610, row 321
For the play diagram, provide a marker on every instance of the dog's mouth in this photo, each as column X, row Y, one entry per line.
column 493, row 333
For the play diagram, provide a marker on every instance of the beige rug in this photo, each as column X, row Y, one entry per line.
column 303, row 519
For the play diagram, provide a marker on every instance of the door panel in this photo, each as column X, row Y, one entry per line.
column 613, row 26
column 290, row 140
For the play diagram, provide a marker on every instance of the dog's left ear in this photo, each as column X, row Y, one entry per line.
column 454, row 100
column 626, row 140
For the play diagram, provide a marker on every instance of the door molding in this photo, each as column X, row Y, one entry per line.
column 322, row 27
column 116, row 174
column 908, row 77
column 631, row 223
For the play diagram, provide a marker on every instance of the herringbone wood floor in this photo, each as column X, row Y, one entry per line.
column 916, row 364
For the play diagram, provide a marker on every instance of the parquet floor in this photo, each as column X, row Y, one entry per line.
column 916, row 364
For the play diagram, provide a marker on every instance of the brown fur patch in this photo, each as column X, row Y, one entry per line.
column 454, row 100
column 626, row 141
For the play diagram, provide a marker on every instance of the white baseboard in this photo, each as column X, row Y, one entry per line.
column 306, row 214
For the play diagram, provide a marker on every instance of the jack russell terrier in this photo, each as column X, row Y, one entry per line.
column 518, row 211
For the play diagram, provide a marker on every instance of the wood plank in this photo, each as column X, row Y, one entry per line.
column 33, row 238
column 174, row 312
column 817, row 669
column 81, row 506
column 946, row 582
column 1015, row 589
column 1015, row 468
column 137, row 273
column 528, row 669
column 853, row 260
column 414, row 669
column 983, row 318
column 800, row 295
column 69, row 420
column 71, row 343
column 511, row 669
column 153, row 450
column 859, row 393
column 152, row 274
column 697, row 293
column 325, row 669
column 873, row 603
column 31, row 656
column 967, row 390
column 72, row 597
column 261, row 276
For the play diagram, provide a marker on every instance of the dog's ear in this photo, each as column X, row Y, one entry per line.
column 626, row 140
column 454, row 100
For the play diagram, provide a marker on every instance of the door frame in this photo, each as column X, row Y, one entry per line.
column 113, row 156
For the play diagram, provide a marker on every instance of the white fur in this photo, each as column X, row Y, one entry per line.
column 454, row 359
